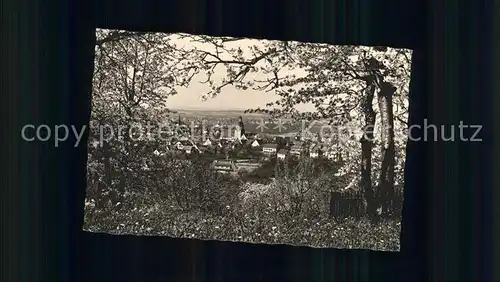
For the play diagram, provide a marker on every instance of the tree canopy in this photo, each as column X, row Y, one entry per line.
column 136, row 72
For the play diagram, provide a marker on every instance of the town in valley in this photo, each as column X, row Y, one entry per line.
column 237, row 143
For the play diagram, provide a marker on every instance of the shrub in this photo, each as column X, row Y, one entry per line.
column 180, row 197
column 158, row 219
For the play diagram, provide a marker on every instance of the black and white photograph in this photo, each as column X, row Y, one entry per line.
column 247, row 140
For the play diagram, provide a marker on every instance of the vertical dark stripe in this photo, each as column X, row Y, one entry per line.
column 495, row 133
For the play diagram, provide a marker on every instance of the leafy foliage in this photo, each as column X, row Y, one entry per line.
column 133, row 190
column 287, row 211
column 332, row 78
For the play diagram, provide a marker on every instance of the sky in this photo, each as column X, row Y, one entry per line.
column 230, row 98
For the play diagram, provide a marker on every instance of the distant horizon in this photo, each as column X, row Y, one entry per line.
column 230, row 99
column 200, row 109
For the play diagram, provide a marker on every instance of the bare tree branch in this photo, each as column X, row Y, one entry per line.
column 118, row 35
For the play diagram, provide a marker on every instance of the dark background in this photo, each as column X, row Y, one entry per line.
column 48, row 60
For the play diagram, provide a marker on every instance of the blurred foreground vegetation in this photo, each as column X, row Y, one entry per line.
column 184, row 198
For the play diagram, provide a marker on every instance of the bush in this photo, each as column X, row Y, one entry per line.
column 180, row 197
column 158, row 219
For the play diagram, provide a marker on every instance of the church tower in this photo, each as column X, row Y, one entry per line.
column 240, row 129
column 242, row 126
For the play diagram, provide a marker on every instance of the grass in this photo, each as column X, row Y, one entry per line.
column 141, row 215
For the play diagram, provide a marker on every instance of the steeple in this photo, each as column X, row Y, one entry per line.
column 242, row 126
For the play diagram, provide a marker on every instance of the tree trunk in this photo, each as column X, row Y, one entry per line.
column 386, row 177
column 366, row 147
column 125, row 175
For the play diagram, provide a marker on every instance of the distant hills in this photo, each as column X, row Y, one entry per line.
column 212, row 112
column 201, row 109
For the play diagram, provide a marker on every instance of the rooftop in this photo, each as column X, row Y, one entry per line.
column 222, row 162
column 315, row 148
column 270, row 146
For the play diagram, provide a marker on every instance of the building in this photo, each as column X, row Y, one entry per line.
column 246, row 165
column 179, row 145
column 282, row 154
column 330, row 154
column 224, row 166
column 255, row 144
column 314, row 151
column 240, row 129
column 237, row 133
column 188, row 149
column 157, row 153
column 317, row 138
column 217, row 134
column 207, row 143
column 269, row 149
column 296, row 149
